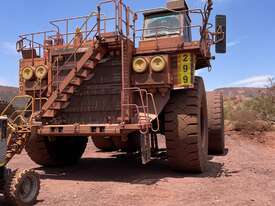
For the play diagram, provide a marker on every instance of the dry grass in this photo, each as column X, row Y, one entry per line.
column 254, row 114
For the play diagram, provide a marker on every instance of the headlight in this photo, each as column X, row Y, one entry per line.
column 140, row 65
column 158, row 64
column 27, row 73
column 41, row 72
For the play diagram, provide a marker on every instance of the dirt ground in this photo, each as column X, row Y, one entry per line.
column 245, row 175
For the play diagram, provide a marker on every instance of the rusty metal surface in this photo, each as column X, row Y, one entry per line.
column 98, row 99
column 97, row 130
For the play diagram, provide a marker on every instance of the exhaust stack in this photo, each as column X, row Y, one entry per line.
column 176, row 4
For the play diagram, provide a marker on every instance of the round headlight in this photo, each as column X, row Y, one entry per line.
column 41, row 72
column 27, row 73
column 158, row 64
column 140, row 65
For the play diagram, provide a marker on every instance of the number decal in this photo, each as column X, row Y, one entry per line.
column 186, row 57
column 185, row 70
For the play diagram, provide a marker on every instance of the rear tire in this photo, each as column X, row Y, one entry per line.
column 129, row 146
column 216, row 123
column 186, row 129
column 56, row 152
column 105, row 144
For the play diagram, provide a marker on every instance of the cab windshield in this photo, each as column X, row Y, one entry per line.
column 161, row 25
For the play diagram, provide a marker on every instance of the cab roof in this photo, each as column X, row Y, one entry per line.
column 176, row 5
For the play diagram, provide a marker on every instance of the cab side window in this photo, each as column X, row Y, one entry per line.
column 187, row 30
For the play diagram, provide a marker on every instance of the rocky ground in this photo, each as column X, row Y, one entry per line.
column 245, row 175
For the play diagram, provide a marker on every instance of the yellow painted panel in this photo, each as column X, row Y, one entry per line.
column 185, row 70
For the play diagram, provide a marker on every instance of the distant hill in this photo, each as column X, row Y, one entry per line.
column 240, row 91
column 7, row 93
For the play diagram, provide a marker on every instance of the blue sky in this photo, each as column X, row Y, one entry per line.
column 251, row 31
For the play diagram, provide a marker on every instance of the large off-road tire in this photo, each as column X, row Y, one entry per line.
column 186, row 129
column 215, row 123
column 22, row 187
column 57, row 151
column 105, row 144
column 131, row 145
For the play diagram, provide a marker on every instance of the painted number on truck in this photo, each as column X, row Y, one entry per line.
column 185, row 69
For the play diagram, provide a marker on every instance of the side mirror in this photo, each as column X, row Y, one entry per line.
column 220, row 34
column 19, row 45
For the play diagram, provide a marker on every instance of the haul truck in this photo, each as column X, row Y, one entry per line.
column 105, row 78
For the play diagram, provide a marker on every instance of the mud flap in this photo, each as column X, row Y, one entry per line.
column 145, row 144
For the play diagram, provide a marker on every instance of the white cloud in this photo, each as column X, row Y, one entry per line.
column 233, row 43
column 200, row 72
column 236, row 42
column 8, row 48
column 254, row 81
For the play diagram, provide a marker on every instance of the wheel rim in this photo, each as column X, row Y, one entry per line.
column 28, row 189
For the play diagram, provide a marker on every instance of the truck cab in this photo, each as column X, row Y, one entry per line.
column 167, row 23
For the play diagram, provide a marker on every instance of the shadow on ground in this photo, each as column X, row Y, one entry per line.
column 123, row 168
column 4, row 202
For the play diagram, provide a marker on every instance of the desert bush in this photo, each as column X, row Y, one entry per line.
column 263, row 106
column 252, row 114
column 247, row 120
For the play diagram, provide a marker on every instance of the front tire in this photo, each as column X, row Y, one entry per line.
column 60, row 151
column 186, row 129
column 105, row 144
column 131, row 145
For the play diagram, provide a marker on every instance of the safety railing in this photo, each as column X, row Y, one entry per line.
column 35, row 42
column 19, row 111
column 56, row 80
column 123, row 22
column 144, row 119
column 68, row 32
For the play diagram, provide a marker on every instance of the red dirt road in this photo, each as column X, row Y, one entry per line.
column 244, row 176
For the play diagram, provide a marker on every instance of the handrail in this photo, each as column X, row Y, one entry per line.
column 140, row 91
column 81, row 28
column 52, row 22
column 78, row 47
column 12, row 101
column 36, row 33
column 33, row 35
column 145, row 108
column 12, row 118
column 81, row 44
column 156, row 112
